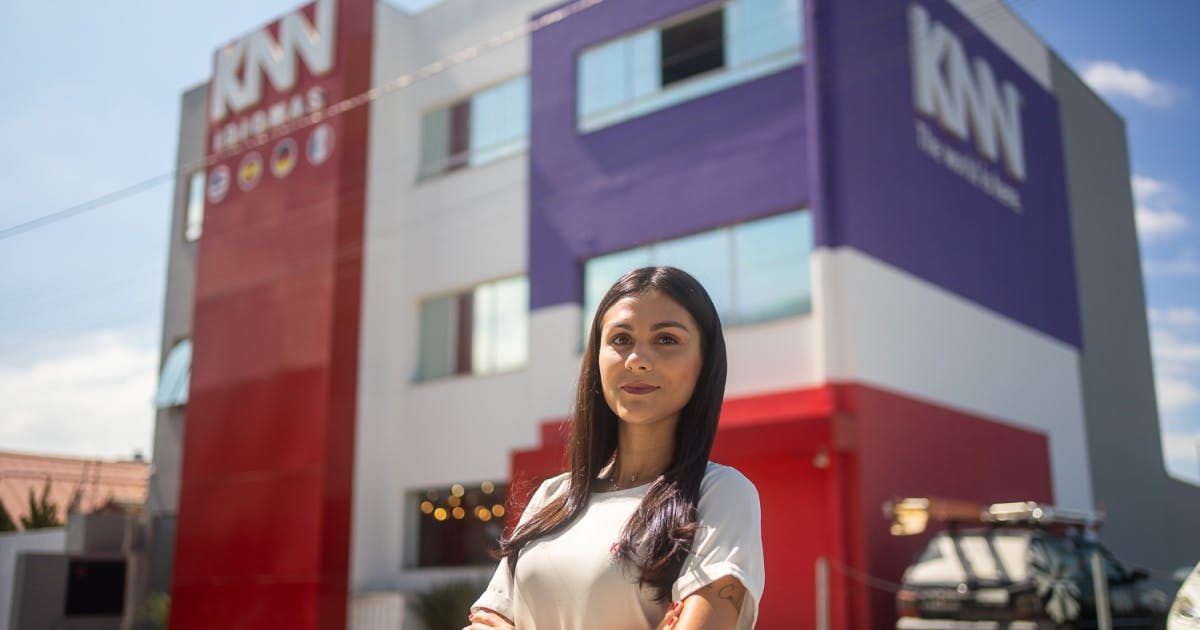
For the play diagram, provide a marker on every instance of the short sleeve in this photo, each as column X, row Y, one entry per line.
column 499, row 594
column 728, row 541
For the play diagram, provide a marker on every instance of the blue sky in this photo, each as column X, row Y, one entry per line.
column 93, row 106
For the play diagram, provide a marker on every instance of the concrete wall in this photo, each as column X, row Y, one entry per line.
column 447, row 233
column 885, row 328
column 178, row 301
column 38, row 600
column 1123, row 432
column 163, row 497
column 11, row 546
column 430, row 237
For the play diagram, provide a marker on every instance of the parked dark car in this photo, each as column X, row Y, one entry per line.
column 1020, row 576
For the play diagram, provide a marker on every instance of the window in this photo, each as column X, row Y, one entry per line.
column 94, row 587
column 459, row 525
column 195, row 207
column 692, row 47
column 666, row 65
column 481, row 331
column 754, row 271
column 490, row 125
column 176, row 376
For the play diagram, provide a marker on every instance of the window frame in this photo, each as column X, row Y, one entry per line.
column 193, row 226
column 691, row 87
column 417, row 518
column 731, row 316
column 462, row 359
column 454, row 162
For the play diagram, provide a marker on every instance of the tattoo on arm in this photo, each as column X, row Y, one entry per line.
column 730, row 590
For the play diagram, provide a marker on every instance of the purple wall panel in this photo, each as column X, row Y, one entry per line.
column 733, row 155
column 885, row 196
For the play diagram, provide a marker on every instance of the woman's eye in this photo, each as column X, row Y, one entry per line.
column 620, row 340
column 667, row 339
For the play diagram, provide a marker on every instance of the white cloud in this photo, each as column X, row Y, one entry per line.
column 1112, row 79
column 1156, row 216
column 1181, row 450
column 1147, row 187
column 94, row 402
column 1175, row 394
column 1176, row 380
column 1169, row 348
column 1175, row 316
column 1154, row 224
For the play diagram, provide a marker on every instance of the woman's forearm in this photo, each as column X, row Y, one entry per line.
column 712, row 607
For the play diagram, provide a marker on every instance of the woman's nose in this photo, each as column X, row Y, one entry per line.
column 636, row 362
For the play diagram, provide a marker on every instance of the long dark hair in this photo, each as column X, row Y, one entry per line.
column 666, row 518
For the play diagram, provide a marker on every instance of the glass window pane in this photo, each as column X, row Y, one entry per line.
column 436, row 345
column 772, row 261
column 176, row 376
column 602, row 78
column 486, row 118
column 483, row 331
column 435, row 141
column 517, row 104
column 499, row 121
column 601, row 272
column 760, row 28
column 706, row 257
column 511, row 323
column 459, row 525
column 642, row 54
column 195, row 207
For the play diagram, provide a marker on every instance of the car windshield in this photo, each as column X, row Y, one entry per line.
column 994, row 557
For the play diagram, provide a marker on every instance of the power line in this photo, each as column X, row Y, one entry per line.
column 353, row 102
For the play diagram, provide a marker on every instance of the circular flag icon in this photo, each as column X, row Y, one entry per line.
column 283, row 158
column 250, row 171
column 320, row 144
column 218, row 184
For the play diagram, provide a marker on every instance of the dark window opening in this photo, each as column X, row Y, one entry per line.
column 95, row 587
column 460, row 526
column 693, row 47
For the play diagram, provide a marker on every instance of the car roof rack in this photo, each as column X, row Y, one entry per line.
column 910, row 516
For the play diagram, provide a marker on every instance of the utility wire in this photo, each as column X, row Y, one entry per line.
column 353, row 102
column 358, row 100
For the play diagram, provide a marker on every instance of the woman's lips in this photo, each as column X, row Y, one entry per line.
column 639, row 388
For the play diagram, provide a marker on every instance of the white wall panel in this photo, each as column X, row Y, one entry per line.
column 884, row 327
column 437, row 236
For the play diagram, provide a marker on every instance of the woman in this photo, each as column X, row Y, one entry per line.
column 642, row 531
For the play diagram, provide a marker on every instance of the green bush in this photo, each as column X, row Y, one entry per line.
column 445, row 606
column 156, row 610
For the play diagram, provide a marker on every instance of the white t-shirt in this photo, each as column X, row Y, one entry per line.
column 573, row 580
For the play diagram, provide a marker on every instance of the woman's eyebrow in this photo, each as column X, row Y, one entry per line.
column 658, row 326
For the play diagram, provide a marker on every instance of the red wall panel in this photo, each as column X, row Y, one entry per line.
column 264, row 517
column 909, row 447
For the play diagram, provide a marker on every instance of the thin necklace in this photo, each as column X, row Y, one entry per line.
column 614, row 479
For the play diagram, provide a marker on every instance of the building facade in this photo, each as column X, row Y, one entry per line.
column 915, row 220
